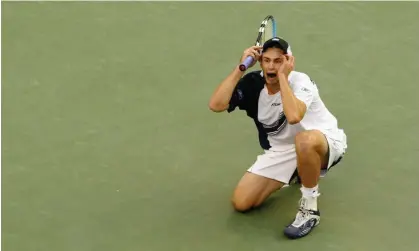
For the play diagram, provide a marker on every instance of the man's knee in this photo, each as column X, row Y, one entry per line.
column 309, row 141
column 244, row 202
column 241, row 204
column 252, row 190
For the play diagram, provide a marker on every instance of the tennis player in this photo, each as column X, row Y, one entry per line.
column 299, row 135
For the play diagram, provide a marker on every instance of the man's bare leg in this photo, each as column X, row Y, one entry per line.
column 252, row 191
column 312, row 155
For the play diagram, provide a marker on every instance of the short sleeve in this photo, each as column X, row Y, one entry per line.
column 304, row 90
column 240, row 98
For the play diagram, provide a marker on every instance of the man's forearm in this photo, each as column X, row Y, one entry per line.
column 222, row 95
column 294, row 109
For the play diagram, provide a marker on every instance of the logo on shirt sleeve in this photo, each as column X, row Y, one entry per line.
column 240, row 94
column 305, row 90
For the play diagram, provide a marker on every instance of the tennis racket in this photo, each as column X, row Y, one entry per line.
column 267, row 30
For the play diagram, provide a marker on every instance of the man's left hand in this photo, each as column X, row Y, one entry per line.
column 287, row 65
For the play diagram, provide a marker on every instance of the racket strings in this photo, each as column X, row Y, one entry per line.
column 268, row 31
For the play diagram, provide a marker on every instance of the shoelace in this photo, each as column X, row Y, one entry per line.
column 303, row 213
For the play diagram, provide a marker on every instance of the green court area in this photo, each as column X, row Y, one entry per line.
column 108, row 142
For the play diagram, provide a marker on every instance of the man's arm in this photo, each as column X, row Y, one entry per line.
column 221, row 97
column 294, row 108
column 219, row 101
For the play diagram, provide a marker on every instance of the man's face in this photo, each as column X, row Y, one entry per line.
column 270, row 62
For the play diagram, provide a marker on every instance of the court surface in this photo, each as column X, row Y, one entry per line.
column 108, row 143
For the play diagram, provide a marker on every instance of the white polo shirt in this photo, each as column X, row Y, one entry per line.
column 281, row 134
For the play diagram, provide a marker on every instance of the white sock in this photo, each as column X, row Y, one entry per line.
column 310, row 194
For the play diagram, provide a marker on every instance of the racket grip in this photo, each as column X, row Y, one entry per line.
column 248, row 61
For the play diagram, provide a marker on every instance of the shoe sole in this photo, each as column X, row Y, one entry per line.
column 294, row 237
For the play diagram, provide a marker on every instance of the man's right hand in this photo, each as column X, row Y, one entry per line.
column 254, row 52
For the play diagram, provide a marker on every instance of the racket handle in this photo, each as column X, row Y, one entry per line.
column 248, row 61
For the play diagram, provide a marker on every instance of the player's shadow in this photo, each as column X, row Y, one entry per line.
column 270, row 218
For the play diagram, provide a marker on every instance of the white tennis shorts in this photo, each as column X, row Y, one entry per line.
column 281, row 165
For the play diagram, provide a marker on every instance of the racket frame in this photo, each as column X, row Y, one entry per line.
column 249, row 60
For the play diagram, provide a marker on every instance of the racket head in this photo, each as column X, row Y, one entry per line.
column 267, row 30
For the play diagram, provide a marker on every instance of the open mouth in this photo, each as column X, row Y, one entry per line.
column 271, row 75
